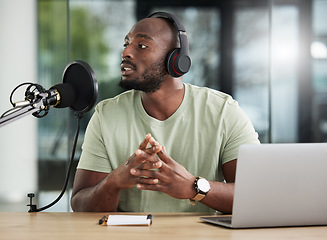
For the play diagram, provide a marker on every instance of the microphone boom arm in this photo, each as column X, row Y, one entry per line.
column 32, row 108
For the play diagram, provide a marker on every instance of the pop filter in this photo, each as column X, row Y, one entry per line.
column 82, row 78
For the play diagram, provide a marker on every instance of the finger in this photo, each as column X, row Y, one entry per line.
column 148, row 181
column 146, row 173
column 163, row 155
column 164, row 149
column 138, row 157
column 145, row 142
column 151, row 187
column 150, row 165
column 153, row 150
column 153, row 142
column 165, row 172
column 145, row 156
column 163, row 178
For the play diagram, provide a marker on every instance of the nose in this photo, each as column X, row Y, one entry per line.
column 127, row 53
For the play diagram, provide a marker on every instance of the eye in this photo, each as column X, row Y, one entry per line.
column 142, row 46
column 125, row 45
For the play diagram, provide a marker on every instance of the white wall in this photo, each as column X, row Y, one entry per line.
column 18, row 64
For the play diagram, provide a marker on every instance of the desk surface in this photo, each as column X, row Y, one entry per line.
column 47, row 225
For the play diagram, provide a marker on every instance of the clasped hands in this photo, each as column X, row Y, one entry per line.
column 151, row 168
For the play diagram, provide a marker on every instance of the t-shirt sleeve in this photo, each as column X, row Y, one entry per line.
column 240, row 131
column 94, row 153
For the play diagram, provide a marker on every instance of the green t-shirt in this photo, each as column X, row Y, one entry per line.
column 203, row 134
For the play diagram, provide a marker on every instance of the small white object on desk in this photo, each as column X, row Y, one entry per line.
column 125, row 220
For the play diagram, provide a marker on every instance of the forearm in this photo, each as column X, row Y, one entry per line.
column 102, row 197
column 220, row 197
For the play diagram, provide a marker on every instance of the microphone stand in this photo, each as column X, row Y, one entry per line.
column 38, row 101
column 32, row 206
column 40, row 104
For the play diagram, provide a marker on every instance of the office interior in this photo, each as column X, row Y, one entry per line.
column 270, row 55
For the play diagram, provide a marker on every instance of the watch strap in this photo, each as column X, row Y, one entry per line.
column 199, row 196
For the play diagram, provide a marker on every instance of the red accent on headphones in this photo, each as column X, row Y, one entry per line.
column 174, row 65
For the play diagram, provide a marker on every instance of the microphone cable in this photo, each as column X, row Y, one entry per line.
column 33, row 207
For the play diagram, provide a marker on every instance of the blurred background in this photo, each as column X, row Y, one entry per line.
column 270, row 55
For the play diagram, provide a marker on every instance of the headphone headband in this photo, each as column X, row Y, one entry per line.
column 178, row 24
column 178, row 60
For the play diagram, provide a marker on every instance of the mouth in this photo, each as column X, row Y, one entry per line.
column 127, row 67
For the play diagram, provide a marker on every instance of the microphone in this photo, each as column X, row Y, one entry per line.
column 78, row 91
column 61, row 95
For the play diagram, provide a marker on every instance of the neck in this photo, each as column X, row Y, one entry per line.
column 164, row 102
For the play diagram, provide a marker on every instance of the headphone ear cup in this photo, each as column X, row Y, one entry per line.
column 171, row 63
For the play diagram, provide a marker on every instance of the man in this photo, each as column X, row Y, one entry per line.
column 145, row 149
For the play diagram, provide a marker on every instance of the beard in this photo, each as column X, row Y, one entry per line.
column 150, row 81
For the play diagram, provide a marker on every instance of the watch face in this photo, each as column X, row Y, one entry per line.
column 203, row 185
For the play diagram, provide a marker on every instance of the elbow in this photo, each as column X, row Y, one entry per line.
column 74, row 203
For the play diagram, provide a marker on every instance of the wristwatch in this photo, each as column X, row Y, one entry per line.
column 202, row 187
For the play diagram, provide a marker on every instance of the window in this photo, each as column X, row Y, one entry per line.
column 260, row 52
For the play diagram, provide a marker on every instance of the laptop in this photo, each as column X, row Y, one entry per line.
column 279, row 185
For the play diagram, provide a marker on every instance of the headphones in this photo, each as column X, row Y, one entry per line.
column 178, row 60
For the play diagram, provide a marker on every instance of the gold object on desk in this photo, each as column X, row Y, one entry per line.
column 49, row 225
